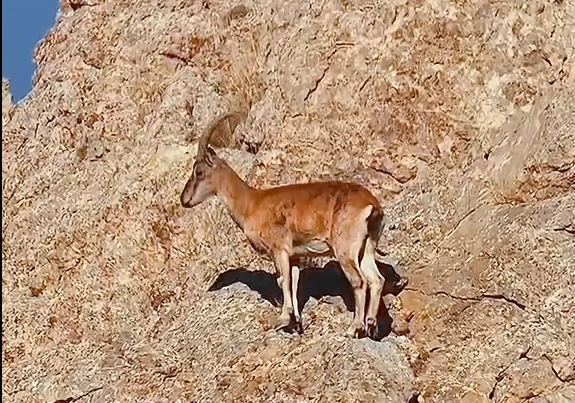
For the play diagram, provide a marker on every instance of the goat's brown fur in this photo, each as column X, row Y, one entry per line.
column 334, row 218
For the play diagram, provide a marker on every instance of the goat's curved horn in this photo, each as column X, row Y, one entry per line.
column 207, row 137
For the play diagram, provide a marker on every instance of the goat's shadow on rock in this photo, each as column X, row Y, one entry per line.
column 316, row 282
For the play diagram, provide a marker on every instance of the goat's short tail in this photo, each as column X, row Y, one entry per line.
column 375, row 224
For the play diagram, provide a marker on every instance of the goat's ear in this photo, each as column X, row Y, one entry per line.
column 210, row 153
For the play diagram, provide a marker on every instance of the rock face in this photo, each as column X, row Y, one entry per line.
column 458, row 115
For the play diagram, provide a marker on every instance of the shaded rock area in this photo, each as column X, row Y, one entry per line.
column 458, row 115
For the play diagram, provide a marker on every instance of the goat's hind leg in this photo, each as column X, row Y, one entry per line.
column 376, row 282
column 359, row 286
column 346, row 251
column 282, row 263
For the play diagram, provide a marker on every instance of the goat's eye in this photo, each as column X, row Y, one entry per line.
column 199, row 173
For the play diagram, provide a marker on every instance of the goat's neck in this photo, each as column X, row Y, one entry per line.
column 235, row 193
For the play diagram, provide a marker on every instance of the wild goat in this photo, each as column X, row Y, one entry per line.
column 334, row 218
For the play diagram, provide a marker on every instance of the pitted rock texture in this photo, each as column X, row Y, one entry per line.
column 459, row 116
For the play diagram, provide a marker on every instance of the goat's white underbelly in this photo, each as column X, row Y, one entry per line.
column 313, row 247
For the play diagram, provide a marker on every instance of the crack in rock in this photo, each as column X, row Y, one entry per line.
column 75, row 399
column 174, row 56
column 319, row 80
column 501, row 373
column 570, row 229
column 478, row 298
column 554, row 370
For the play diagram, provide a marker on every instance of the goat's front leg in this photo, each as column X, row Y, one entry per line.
column 282, row 264
column 295, row 272
column 295, row 302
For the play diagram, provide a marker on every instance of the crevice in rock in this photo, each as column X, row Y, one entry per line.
column 92, row 63
column 492, row 393
column 319, row 80
column 545, row 356
column 414, row 398
column 367, row 80
column 251, row 147
column 75, row 399
column 505, row 298
column 473, row 210
column 524, row 353
column 570, row 229
column 474, row 298
column 316, row 84
column 174, row 56
column 501, row 373
column 545, row 58
column 75, row 5
column 394, row 174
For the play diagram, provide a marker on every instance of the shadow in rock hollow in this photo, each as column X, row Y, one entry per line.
column 316, row 282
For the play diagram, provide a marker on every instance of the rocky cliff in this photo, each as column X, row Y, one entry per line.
column 458, row 115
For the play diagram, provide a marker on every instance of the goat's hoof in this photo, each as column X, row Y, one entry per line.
column 298, row 327
column 359, row 333
column 356, row 331
column 283, row 323
column 401, row 283
column 371, row 327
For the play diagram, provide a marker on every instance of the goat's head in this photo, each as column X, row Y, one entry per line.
column 202, row 184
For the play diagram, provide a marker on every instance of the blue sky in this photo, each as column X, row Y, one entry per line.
column 24, row 23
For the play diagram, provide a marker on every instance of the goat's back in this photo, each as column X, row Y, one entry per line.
column 308, row 210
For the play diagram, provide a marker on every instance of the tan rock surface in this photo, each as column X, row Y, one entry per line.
column 458, row 115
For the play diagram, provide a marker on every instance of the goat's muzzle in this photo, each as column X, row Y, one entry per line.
column 187, row 194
